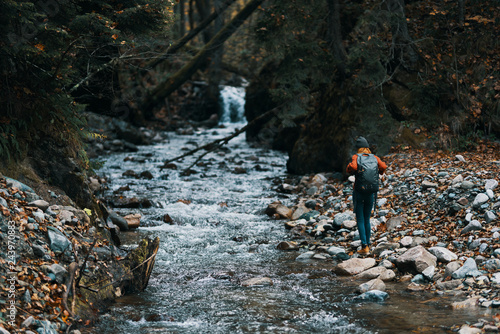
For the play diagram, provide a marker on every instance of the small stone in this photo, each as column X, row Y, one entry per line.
column 305, row 256
column 463, row 201
column 374, row 284
column 491, row 184
column 474, row 225
column 427, row 184
column 468, row 267
column 480, row 199
column 257, row 281
column 373, row 296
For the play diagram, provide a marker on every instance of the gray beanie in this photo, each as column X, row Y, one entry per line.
column 361, row 142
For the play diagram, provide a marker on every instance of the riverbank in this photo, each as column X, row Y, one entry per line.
column 436, row 228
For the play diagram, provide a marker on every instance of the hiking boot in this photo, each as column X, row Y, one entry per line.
column 365, row 250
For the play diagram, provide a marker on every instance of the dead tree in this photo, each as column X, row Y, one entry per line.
column 164, row 89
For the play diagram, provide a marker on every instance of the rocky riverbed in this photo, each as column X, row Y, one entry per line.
column 436, row 228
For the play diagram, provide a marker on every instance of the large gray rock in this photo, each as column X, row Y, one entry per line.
column 415, row 260
column 339, row 219
column 451, row 268
column 474, row 225
column 354, row 266
column 372, row 296
column 57, row 241
column 374, row 284
column 41, row 204
column 59, row 271
column 379, row 272
column 443, row 254
column 468, row 268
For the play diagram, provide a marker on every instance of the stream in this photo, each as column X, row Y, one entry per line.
column 219, row 236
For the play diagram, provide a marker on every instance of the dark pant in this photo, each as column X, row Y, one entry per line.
column 363, row 206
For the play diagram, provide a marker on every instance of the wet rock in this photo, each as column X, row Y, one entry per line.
column 374, row 296
column 354, row 266
column 257, row 281
column 305, row 256
column 146, row 175
column 468, row 303
column 118, row 220
column 133, row 220
column 443, row 254
column 278, row 210
column 415, row 260
column 379, row 272
column 335, row 250
column 449, row 285
column 299, row 211
column 288, row 246
column 374, row 284
column 133, row 202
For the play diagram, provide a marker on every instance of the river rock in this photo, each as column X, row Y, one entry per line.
column 468, row 268
column 379, row 272
column 333, row 250
column 383, row 247
column 349, row 224
column 58, row 242
column 474, row 225
column 395, row 222
column 354, row 266
column 451, row 268
column 339, row 218
column 468, row 303
column 406, row 241
column 299, row 211
column 491, row 184
column 133, row 220
column 288, row 246
column 489, row 216
column 449, row 285
column 429, row 272
column 427, row 184
column 118, row 220
column 443, row 254
column 375, row 296
column 305, row 256
column 415, row 260
column 374, row 284
column 59, row 271
column 257, row 281
column 41, row 204
column 480, row 199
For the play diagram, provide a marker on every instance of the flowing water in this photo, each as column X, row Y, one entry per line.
column 219, row 236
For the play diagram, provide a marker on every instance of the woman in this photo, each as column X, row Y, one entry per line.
column 364, row 200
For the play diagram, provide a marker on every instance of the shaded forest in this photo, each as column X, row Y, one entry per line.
column 418, row 73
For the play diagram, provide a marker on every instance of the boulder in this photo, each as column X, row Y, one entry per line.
column 374, row 284
column 468, row 268
column 443, row 254
column 415, row 260
column 379, row 272
column 354, row 266
column 375, row 296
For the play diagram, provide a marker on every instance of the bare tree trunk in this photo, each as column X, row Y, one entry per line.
column 191, row 15
column 182, row 18
column 164, row 89
column 461, row 15
column 401, row 40
column 203, row 7
column 214, row 74
column 189, row 36
column 334, row 35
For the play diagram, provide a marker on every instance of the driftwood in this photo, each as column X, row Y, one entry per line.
column 216, row 144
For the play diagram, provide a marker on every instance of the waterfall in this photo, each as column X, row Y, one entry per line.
column 233, row 105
